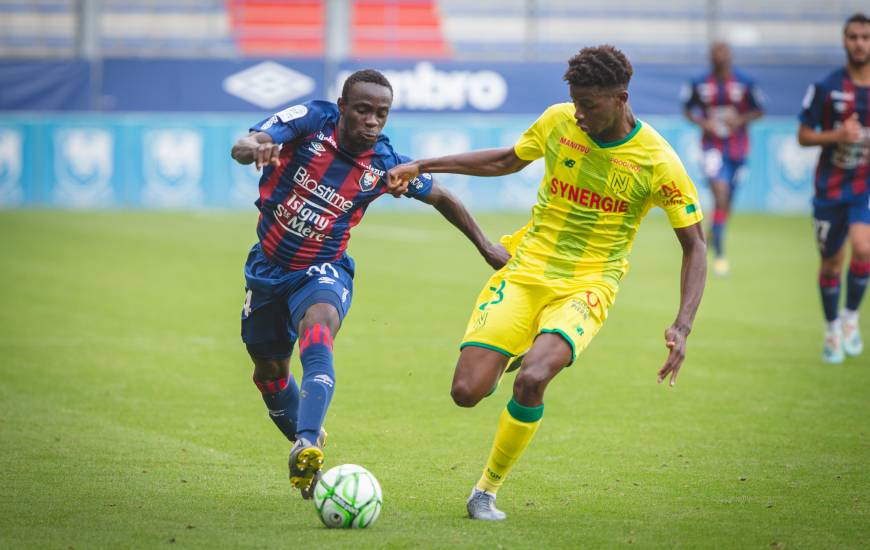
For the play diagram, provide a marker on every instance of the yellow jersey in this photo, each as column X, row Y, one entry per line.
column 592, row 200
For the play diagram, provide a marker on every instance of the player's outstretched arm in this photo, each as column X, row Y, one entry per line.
column 693, row 275
column 256, row 147
column 455, row 212
column 486, row 162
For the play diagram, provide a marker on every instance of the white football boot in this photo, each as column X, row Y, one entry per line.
column 833, row 347
column 721, row 267
column 852, row 343
column 481, row 505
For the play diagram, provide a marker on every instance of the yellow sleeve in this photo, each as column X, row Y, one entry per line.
column 532, row 143
column 675, row 193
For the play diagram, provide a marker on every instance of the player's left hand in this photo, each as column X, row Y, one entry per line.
column 496, row 255
column 399, row 176
column 675, row 341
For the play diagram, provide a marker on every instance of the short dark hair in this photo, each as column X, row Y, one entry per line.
column 603, row 66
column 365, row 75
column 856, row 18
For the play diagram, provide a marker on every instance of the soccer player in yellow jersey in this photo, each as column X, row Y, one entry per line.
column 605, row 169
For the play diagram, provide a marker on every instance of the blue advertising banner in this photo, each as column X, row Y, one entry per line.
column 209, row 84
column 40, row 85
column 218, row 85
column 183, row 161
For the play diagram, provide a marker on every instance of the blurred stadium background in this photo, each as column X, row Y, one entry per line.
column 135, row 103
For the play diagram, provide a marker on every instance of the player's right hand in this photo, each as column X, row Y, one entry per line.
column 399, row 176
column 496, row 255
column 675, row 341
column 267, row 153
column 851, row 130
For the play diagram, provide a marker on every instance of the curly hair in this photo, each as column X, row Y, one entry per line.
column 365, row 75
column 602, row 66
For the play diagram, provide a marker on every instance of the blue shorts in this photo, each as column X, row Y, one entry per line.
column 832, row 222
column 718, row 167
column 277, row 298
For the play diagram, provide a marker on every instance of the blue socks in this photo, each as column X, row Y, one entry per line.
column 856, row 284
column 830, row 289
column 282, row 399
column 318, row 380
column 717, row 231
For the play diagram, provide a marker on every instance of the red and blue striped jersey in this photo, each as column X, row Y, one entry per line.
column 309, row 203
column 842, row 172
column 719, row 100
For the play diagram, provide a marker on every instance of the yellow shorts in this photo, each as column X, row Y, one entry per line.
column 509, row 314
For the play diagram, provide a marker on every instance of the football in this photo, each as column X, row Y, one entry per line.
column 349, row 497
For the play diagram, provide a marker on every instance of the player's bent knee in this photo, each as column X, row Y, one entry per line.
column 861, row 252
column 531, row 383
column 270, row 369
column 464, row 394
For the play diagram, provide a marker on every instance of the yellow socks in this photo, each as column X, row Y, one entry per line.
column 516, row 426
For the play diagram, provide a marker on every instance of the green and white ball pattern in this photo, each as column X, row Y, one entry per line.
column 348, row 496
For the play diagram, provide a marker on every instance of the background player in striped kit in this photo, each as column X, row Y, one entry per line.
column 323, row 164
column 605, row 170
column 835, row 115
column 722, row 102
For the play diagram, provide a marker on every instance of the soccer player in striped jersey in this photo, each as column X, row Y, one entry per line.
column 605, row 169
column 323, row 165
column 722, row 102
column 836, row 115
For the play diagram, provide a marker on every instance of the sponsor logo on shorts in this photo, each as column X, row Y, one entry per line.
column 326, row 281
column 344, row 294
column 580, row 307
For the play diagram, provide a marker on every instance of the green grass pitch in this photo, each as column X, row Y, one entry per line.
column 128, row 418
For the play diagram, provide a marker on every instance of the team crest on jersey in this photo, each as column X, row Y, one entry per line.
column 619, row 181
column 368, row 181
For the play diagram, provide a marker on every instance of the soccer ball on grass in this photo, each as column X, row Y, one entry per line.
column 348, row 496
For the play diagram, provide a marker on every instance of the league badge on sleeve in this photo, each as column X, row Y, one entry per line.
column 292, row 113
